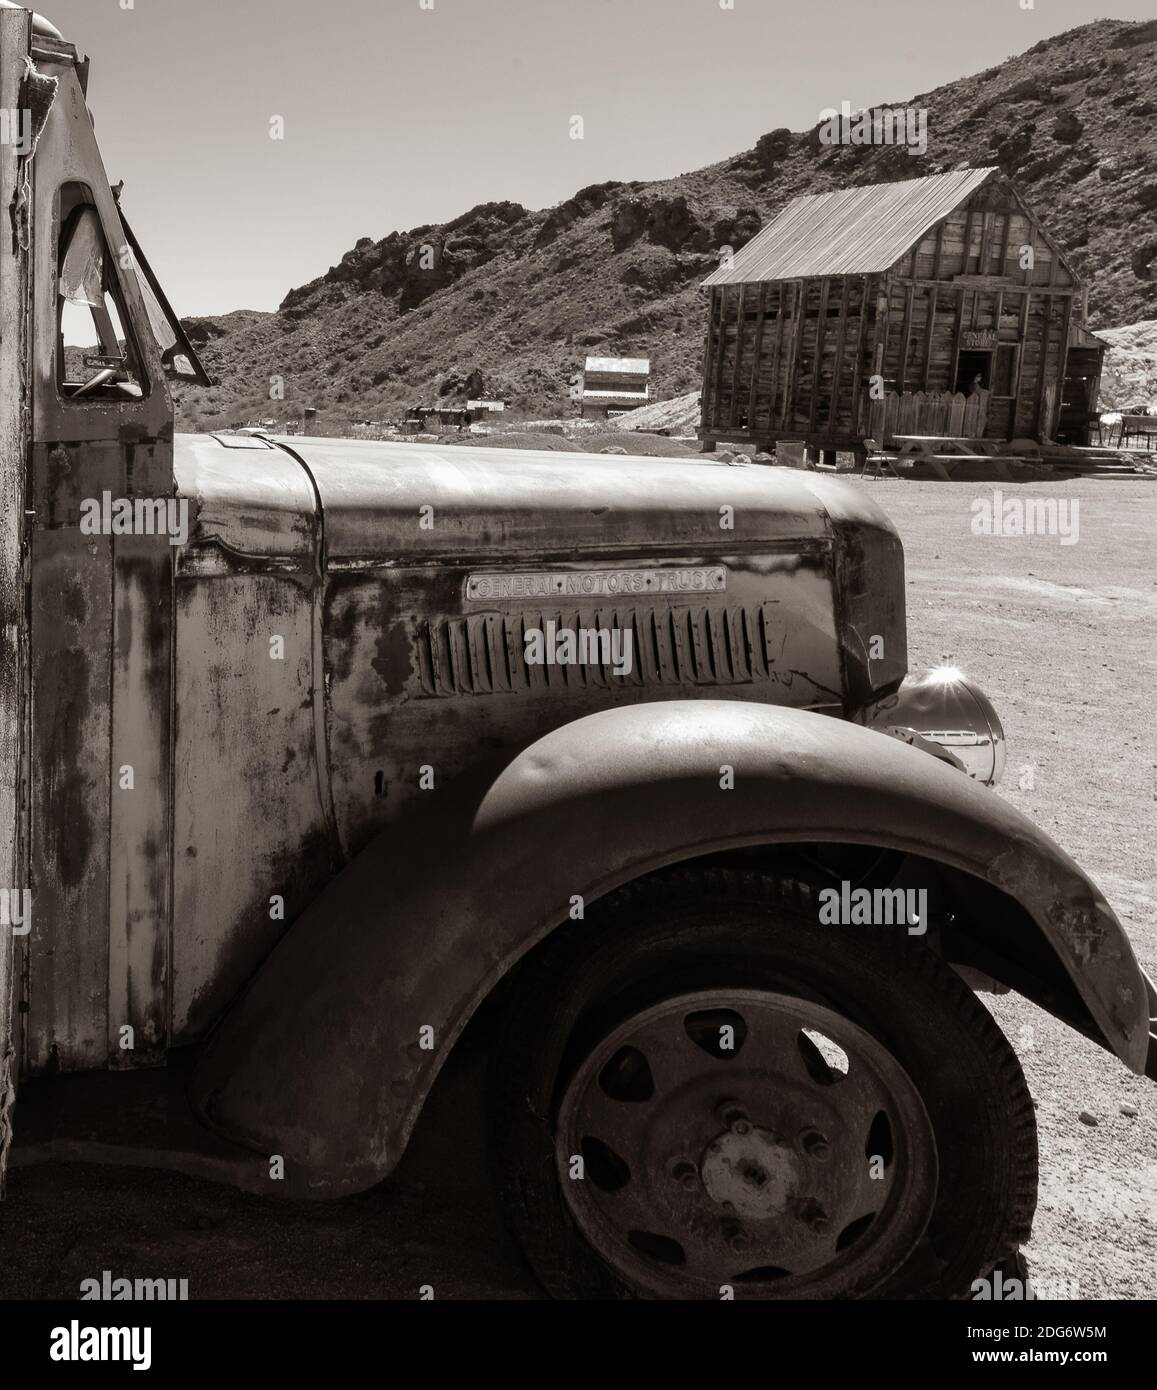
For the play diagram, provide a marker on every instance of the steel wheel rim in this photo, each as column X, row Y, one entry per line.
column 772, row 1166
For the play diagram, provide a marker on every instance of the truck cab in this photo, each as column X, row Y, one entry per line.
column 312, row 748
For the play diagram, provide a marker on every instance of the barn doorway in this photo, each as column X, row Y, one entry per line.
column 1079, row 396
column 970, row 366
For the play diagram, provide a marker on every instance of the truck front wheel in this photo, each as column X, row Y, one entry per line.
column 701, row 1092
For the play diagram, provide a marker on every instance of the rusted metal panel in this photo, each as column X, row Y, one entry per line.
column 14, row 427
column 853, row 231
column 100, row 762
column 510, row 504
column 259, row 508
column 416, row 677
column 489, row 641
column 68, row 949
column 139, row 830
column 408, row 531
column 592, row 805
column 248, row 820
column 252, row 810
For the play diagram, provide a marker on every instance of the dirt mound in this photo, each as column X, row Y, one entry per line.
column 650, row 445
column 582, row 442
column 514, row 439
column 680, row 416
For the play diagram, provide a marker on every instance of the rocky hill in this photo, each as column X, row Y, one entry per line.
column 507, row 302
column 1130, row 376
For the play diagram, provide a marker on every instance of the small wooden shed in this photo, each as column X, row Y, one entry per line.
column 936, row 306
column 615, row 383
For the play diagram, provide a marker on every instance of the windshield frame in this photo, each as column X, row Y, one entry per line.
column 182, row 347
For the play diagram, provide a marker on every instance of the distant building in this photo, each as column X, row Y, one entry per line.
column 421, row 418
column 930, row 307
column 615, row 383
column 416, row 417
column 481, row 410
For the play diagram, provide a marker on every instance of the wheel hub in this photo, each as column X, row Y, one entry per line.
column 744, row 1137
column 750, row 1173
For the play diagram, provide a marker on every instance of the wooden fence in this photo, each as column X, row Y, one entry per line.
column 947, row 413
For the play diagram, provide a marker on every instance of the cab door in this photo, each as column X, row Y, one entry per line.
column 100, row 619
column 105, row 527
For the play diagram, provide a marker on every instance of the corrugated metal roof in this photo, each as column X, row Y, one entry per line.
column 635, row 366
column 854, row 231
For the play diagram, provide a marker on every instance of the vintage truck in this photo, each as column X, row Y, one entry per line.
column 287, row 797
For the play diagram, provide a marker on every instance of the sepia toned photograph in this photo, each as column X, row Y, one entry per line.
column 578, row 627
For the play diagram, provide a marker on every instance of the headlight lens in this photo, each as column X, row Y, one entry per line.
column 946, row 708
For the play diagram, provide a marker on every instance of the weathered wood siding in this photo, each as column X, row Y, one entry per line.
column 985, row 237
column 788, row 356
column 796, row 358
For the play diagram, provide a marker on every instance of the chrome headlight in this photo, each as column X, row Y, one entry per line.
column 945, row 708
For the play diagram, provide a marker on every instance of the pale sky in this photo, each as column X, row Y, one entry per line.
column 401, row 112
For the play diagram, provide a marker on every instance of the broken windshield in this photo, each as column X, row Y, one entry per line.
column 97, row 357
column 178, row 358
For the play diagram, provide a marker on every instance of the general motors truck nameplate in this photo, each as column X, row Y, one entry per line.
column 601, row 583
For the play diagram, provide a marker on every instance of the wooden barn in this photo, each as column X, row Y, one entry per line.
column 931, row 307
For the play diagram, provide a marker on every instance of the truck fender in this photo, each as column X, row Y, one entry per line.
column 329, row 1055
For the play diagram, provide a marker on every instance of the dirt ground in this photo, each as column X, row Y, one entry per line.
column 1063, row 639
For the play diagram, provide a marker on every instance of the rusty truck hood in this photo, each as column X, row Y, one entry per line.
column 396, row 504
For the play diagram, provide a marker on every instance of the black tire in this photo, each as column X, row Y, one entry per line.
column 687, row 929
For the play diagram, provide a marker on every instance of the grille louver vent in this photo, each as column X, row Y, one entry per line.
column 484, row 654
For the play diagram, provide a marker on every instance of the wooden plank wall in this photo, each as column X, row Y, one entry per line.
column 971, row 266
column 984, row 237
column 762, row 370
column 794, row 356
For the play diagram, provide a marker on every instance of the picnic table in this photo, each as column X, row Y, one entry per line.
column 941, row 454
column 1139, row 425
